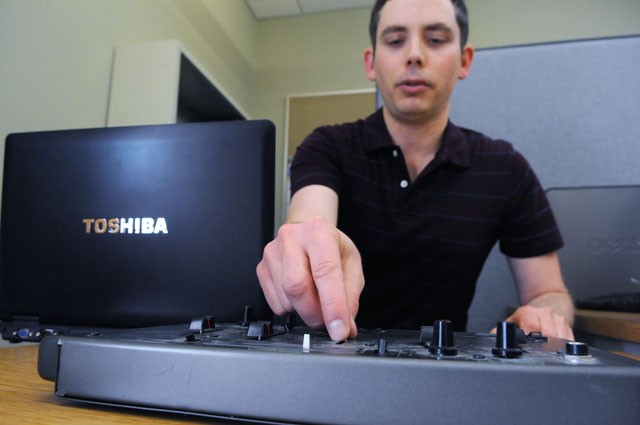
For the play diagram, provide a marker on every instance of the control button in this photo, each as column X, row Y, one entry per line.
column 534, row 337
column 247, row 315
column 259, row 330
column 426, row 334
column 442, row 340
column 576, row 349
column 506, row 346
column 202, row 324
column 382, row 347
column 290, row 321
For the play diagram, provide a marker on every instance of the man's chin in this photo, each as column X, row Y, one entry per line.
column 412, row 114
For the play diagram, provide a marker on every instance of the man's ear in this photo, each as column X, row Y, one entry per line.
column 368, row 64
column 466, row 61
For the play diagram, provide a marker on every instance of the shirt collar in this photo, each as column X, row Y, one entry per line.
column 454, row 149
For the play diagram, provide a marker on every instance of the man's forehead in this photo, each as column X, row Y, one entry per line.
column 399, row 12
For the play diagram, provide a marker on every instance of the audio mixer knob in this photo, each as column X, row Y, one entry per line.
column 203, row 324
column 247, row 316
column 426, row 334
column 442, row 340
column 382, row 347
column 506, row 345
column 259, row 330
column 576, row 349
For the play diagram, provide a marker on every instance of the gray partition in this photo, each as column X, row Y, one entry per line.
column 573, row 110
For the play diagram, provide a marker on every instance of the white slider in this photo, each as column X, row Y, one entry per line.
column 306, row 343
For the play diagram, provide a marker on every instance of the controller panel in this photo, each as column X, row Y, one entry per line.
column 276, row 372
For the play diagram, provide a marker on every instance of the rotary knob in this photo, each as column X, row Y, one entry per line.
column 442, row 340
column 506, row 345
column 576, row 349
column 247, row 316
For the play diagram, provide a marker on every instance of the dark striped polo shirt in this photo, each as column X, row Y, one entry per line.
column 423, row 243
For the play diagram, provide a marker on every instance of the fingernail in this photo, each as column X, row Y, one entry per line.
column 337, row 330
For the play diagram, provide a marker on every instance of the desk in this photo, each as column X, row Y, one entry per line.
column 624, row 326
column 25, row 398
column 612, row 326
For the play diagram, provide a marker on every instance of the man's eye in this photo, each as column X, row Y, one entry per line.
column 395, row 41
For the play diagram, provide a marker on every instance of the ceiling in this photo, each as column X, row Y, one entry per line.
column 268, row 9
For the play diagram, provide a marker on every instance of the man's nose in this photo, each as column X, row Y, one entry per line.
column 416, row 55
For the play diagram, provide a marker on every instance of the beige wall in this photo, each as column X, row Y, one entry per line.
column 57, row 54
column 306, row 113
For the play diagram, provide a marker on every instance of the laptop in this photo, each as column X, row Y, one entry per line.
column 134, row 226
column 601, row 257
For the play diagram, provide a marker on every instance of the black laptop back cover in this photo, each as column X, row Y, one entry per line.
column 136, row 226
column 601, row 230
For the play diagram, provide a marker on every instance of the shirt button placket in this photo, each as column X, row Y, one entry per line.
column 403, row 183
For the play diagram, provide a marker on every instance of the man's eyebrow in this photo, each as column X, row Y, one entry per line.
column 393, row 29
column 439, row 26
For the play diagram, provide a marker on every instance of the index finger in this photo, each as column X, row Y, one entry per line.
column 325, row 262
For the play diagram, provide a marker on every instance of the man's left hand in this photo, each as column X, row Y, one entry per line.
column 541, row 319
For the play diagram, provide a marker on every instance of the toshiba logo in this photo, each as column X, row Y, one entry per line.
column 144, row 225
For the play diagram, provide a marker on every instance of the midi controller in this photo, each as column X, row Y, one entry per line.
column 277, row 372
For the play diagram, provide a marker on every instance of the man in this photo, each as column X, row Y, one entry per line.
column 392, row 217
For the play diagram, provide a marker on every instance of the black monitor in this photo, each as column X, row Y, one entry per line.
column 600, row 226
column 136, row 226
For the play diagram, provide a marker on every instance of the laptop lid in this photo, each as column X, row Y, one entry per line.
column 136, row 226
column 601, row 230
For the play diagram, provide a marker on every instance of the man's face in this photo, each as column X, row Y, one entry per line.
column 417, row 60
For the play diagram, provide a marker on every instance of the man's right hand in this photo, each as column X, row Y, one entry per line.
column 315, row 269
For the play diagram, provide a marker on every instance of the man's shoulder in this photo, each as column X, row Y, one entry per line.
column 480, row 142
column 489, row 153
column 352, row 129
column 369, row 131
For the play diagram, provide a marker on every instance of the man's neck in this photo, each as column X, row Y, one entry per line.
column 419, row 140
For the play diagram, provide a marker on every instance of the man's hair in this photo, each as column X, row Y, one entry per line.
column 462, row 18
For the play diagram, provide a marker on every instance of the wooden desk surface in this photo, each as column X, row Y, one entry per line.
column 25, row 398
column 611, row 324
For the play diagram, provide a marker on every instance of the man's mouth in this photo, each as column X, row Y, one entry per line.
column 413, row 85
